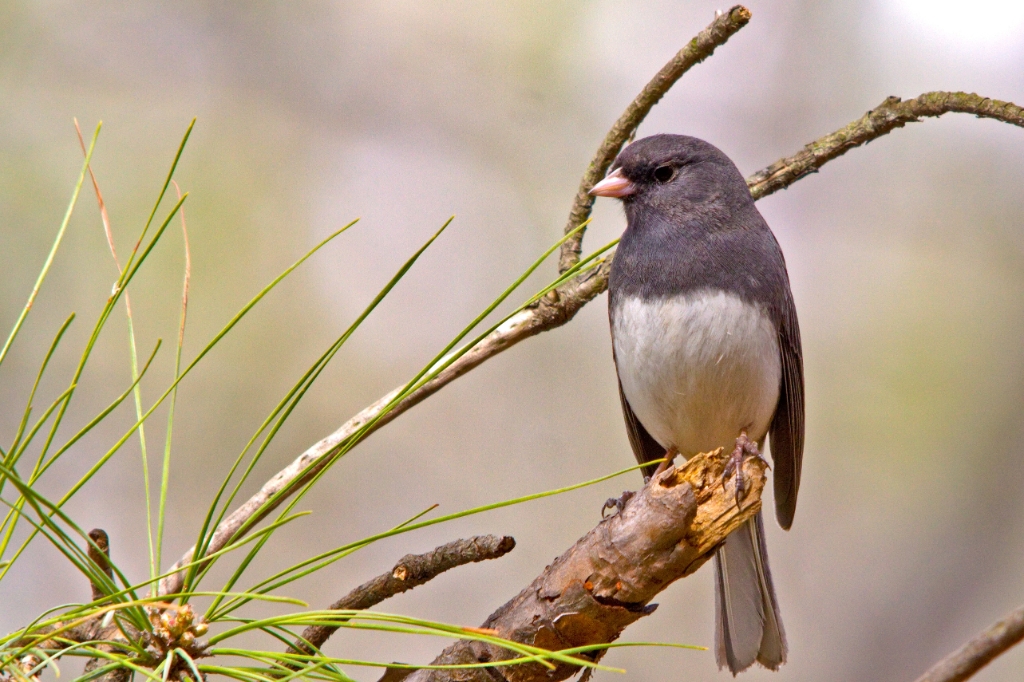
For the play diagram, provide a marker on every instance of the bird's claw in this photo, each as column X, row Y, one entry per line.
column 744, row 448
column 616, row 503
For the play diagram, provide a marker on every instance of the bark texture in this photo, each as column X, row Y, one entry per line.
column 607, row 579
column 411, row 571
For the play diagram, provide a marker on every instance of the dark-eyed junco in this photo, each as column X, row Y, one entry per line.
column 707, row 350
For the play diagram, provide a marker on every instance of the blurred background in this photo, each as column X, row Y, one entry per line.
column 906, row 259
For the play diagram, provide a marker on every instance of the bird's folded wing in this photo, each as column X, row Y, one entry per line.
column 787, row 428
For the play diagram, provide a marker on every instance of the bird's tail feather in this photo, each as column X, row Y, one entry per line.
column 747, row 623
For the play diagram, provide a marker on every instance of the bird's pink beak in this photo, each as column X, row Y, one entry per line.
column 615, row 185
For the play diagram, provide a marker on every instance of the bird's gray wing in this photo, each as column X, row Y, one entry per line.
column 787, row 428
column 645, row 448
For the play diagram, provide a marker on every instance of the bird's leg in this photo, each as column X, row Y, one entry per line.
column 619, row 503
column 744, row 447
column 670, row 456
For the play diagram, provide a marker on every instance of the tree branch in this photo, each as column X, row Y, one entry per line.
column 411, row 571
column 979, row 652
column 607, row 579
column 554, row 311
column 891, row 114
column 697, row 50
column 604, row 582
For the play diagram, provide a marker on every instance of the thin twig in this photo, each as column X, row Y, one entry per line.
column 696, row 51
column 554, row 311
column 411, row 571
column 891, row 114
column 979, row 652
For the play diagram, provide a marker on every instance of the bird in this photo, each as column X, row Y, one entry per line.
column 706, row 346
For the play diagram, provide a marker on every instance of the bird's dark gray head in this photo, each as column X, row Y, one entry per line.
column 675, row 173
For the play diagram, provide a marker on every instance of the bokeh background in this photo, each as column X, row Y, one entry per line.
column 906, row 258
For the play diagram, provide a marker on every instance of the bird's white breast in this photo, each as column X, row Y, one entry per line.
column 697, row 369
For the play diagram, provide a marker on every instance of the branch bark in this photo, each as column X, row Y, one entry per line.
column 607, row 579
column 980, row 651
column 411, row 571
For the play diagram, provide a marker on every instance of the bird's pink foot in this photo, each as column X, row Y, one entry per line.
column 617, row 503
column 744, row 448
column 670, row 455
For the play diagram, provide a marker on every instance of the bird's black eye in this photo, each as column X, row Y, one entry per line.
column 664, row 173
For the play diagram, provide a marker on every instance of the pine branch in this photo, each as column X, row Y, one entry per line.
column 411, row 571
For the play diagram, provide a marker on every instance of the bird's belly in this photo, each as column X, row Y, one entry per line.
column 697, row 369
